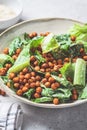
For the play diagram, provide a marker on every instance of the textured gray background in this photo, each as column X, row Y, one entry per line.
column 74, row 118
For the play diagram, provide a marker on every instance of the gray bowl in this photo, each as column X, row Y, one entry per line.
column 54, row 25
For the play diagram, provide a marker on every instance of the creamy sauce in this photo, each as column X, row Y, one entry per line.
column 6, row 12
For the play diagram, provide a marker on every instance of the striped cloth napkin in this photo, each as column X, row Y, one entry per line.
column 11, row 116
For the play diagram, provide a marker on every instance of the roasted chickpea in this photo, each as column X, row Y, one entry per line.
column 37, row 68
column 37, row 83
column 33, row 85
column 18, row 51
column 27, row 76
column 85, row 58
column 33, row 73
column 60, row 61
column 44, row 80
column 38, row 89
column 8, row 84
column 44, row 65
column 19, row 92
column 74, row 91
column 38, row 78
column 24, row 89
column 25, row 80
column 42, row 70
column 6, row 51
column 16, row 85
column 21, row 76
column 3, row 93
column 47, row 84
column 47, row 75
column 25, row 70
column 34, row 34
column 73, row 38
column 74, row 97
column 16, row 79
column 27, row 85
column 56, row 101
column 51, row 79
column 66, row 60
column 12, row 75
column 33, row 78
column 14, row 57
column 7, row 66
column 36, row 63
column 50, row 64
column 32, row 58
column 54, row 86
column 37, row 95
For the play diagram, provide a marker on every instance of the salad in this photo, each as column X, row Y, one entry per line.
column 47, row 67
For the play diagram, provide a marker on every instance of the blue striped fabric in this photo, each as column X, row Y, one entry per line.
column 11, row 116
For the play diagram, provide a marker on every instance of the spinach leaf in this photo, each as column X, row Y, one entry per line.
column 29, row 93
column 42, row 99
column 39, row 57
column 83, row 93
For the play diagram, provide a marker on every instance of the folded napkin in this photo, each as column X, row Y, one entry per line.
column 11, row 116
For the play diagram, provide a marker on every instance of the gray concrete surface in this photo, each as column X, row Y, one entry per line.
column 74, row 118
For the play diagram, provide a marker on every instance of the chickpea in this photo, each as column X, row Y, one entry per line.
column 44, row 65
column 38, row 78
column 85, row 58
column 24, row 80
column 54, row 86
column 16, row 85
column 36, row 63
column 25, row 70
column 60, row 75
column 7, row 66
column 32, row 58
column 3, row 93
column 27, row 85
column 51, row 80
column 8, row 84
column 73, row 38
column 42, row 34
column 56, row 68
column 31, row 35
column 33, row 73
column 50, row 64
column 47, row 75
column 47, row 84
column 21, row 76
column 66, row 60
column 21, row 73
column 74, row 91
column 2, row 71
column 74, row 97
column 19, row 92
column 33, row 85
column 18, row 51
column 37, row 68
column 47, row 33
column 38, row 89
column 60, row 61
column 14, row 57
column 42, row 70
column 37, row 95
column 57, row 84
column 12, row 75
column 37, row 83
column 44, row 80
column 6, row 51
column 34, row 34
column 24, row 89
column 81, row 50
column 56, row 101
column 33, row 78
column 16, row 79
column 27, row 76
column 30, row 80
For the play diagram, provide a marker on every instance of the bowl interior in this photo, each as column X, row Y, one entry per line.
column 54, row 25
